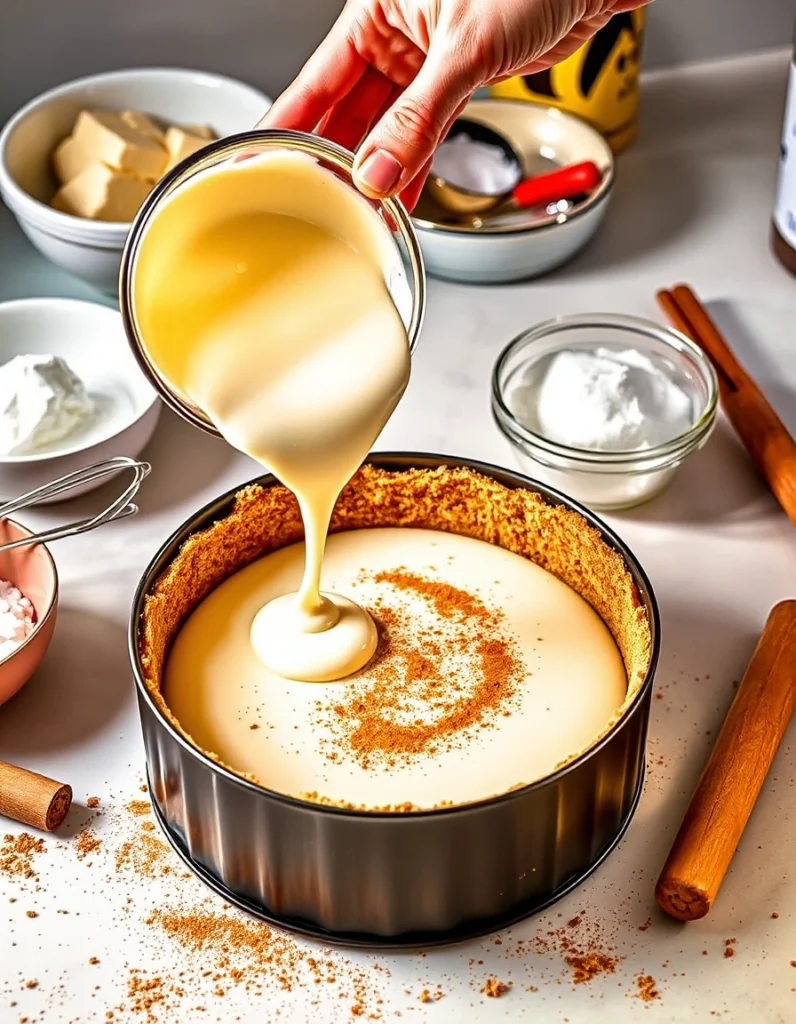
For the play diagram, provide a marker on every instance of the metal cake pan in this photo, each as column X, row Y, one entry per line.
column 395, row 880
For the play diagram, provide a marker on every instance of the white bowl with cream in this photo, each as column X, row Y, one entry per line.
column 92, row 249
column 523, row 244
column 124, row 407
column 605, row 407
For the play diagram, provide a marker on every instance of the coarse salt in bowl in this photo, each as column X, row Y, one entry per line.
column 645, row 437
column 26, row 626
column 17, row 616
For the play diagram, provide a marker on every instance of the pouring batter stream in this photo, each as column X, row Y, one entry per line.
column 260, row 296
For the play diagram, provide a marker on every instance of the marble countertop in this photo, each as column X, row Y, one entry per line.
column 693, row 202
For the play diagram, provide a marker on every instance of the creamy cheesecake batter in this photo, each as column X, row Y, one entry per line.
column 261, row 297
column 489, row 673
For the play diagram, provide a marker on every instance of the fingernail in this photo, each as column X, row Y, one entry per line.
column 380, row 172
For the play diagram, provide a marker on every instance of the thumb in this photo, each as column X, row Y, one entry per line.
column 405, row 138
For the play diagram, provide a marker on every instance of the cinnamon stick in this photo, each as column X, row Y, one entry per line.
column 31, row 798
column 761, row 431
column 734, row 773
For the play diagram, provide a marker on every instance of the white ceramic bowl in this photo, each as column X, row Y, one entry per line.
column 90, row 249
column 91, row 339
column 527, row 245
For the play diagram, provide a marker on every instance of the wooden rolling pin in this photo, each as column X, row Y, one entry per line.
column 762, row 432
column 734, row 773
column 33, row 799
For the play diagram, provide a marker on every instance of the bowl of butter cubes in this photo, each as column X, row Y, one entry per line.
column 77, row 162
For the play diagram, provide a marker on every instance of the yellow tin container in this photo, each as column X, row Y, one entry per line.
column 599, row 82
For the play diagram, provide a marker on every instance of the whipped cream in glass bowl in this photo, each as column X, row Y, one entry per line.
column 605, row 407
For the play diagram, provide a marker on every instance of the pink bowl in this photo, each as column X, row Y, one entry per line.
column 32, row 569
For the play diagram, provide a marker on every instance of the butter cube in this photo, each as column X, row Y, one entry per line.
column 201, row 131
column 143, row 123
column 181, row 144
column 70, row 159
column 102, row 193
column 114, row 142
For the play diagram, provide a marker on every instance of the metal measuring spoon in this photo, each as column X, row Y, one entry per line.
column 541, row 190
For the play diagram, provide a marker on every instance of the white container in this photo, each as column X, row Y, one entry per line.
column 605, row 480
column 91, row 339
column 542, row 137
column 92, row 250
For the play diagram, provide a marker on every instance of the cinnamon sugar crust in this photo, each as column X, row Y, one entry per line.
column 458, row 501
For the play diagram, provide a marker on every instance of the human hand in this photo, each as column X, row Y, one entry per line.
column 397, row 73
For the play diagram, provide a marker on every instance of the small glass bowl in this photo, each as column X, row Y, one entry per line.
column 405, row 277
column 605, row 479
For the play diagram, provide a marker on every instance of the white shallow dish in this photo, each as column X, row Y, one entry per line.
column 543, row 137
column 91, row 339
column 92, row 250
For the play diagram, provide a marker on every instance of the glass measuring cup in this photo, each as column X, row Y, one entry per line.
column 405, row 276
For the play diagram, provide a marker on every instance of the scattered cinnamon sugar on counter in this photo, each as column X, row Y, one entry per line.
column 145, row 993
column 377, row 718
column 139, row 807
column 647, row 991
column 646, row 926
column 493, row 988
column 582, row 946
column 586, row 966
column 17, row 853
column 241, row 952
column 31, row 913
column 728, row 947
column 93, row 801
column 145, row 855
column 86, row 843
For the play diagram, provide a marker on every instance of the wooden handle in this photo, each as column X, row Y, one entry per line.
column 734, row 773
column 32, row 799
column 761, row 431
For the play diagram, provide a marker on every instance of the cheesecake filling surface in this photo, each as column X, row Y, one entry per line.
column 489, row 674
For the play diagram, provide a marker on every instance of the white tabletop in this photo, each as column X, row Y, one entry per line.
column 693, row 202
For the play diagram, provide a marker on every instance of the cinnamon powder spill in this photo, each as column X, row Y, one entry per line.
column 647, row 990
column 494, row 988
column 581, row 944
column 86, row 843
column 429, row 688
column 144, row 855
column 139, row 807
column 587, row 966
column 93, row 801
column 17, row 853
column 240, row 952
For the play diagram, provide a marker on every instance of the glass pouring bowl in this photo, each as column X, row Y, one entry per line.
column 406, row 279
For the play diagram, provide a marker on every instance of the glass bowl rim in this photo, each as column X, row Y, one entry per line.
column 633, row 459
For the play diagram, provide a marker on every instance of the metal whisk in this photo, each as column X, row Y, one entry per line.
column 119, row 508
